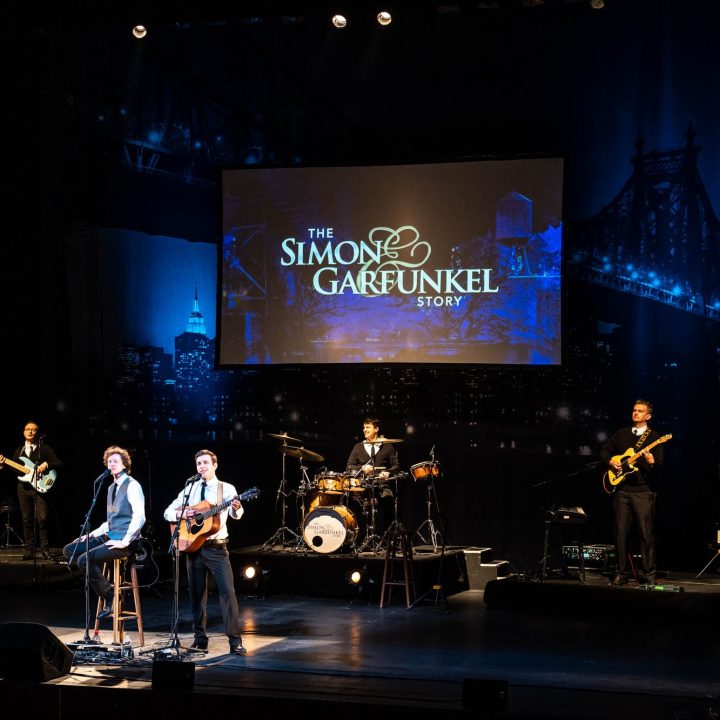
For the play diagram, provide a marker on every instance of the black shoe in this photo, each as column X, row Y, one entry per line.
column 46, row 555
column 650, row 581
column 618, row 580
column 237, row 650
column 105, row 612
column 29, row 555
column 199, row 646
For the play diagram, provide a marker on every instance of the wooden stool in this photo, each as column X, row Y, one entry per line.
column 398, row 549
column 119, row 578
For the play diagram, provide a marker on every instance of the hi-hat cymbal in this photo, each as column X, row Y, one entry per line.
column 302, row 453
column 284, row 436
column 389, row 441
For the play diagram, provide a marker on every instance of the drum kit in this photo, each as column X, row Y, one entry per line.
column 327, row 522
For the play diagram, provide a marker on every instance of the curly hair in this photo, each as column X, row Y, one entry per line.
column 122, row 452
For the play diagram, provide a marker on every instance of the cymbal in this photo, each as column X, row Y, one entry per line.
column 389, row 441
column 302, row 453
column 284, row 436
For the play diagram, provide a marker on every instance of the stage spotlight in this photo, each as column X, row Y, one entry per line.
column 597, row 4
column 384, row 18
column 354, row 577
column 139, row 31
column 249, row 572
column 339, row 21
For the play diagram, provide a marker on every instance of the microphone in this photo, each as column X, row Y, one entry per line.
column 193, row 478
column 100, row 478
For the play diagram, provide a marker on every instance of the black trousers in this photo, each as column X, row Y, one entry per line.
column 212, row 560
column 635, row 509
column 30, row 502
column 99, row 553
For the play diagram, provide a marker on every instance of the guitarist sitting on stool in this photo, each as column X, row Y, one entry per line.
column 209, row 552
column 38, row 458
column 634, row 497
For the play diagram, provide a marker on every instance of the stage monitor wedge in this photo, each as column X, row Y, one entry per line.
column 31, row 653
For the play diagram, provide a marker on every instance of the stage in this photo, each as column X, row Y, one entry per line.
column 557, row 648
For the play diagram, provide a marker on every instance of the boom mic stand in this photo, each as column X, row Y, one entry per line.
column 85, row 530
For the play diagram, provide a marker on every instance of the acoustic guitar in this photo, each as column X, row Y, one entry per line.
column 42, row 482
column 193, row 531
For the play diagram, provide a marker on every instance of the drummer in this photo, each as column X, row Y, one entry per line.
column 377, row 461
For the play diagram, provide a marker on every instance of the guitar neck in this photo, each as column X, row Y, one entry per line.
column 215, row 509
column 662, row 439
column 24, row 469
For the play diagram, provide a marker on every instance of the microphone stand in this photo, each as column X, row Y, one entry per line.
column 437, row 588
column 174, row 549
column 85, row 530
column 34, row 486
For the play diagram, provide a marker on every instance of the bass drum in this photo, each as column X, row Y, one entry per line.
column 329, row 529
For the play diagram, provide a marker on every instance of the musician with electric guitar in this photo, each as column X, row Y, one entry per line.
column 634, row 458
column 36, row 464
column 202, row 509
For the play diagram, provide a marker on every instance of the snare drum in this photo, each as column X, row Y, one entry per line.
column 328, row 529
column 425, row 470
column 330, row 482
column 355, row 484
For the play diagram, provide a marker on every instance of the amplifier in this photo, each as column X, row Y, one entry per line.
column 597, row 556
column 566, row 516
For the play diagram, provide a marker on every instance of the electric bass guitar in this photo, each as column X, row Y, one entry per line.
column 627, row 462
column 42, row 482
column 205, row 521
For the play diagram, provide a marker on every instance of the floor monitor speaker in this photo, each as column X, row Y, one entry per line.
column 31, row 653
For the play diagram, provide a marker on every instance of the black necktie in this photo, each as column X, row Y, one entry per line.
column 202, row 490
column 114, row 493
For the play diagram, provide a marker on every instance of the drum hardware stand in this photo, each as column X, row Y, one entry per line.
column 437, row 589
column 396, row 526
column 433, row 534
column 372, row 542
column 279, row 536
column 305, row 485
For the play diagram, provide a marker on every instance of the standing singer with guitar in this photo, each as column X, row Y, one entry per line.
column 210, row 554
column 36, row 464
column 634, row 489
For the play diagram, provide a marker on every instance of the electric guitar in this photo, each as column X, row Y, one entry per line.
column 42, row 482
column 627, row 462
column 193, row 531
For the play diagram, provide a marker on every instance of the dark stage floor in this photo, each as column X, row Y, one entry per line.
column 565, row 649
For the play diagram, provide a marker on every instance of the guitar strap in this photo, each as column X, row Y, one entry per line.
column 641, row 439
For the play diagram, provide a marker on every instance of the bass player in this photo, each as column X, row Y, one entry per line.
column 41, row 463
